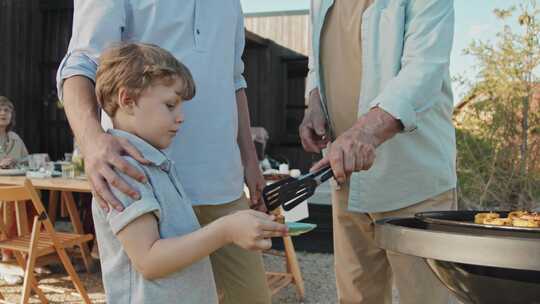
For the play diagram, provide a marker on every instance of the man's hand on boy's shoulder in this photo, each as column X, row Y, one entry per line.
column 103, row 154
column 255, row 183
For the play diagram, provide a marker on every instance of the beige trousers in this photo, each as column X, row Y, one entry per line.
column 239, row 274
column 365, row 273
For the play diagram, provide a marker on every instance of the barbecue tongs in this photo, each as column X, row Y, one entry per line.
column 290, row 192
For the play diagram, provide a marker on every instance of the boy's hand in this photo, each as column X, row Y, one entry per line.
column 101, row 155
column 255, row 182
column 252, row 229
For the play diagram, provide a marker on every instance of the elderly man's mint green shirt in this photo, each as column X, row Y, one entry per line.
column 406, row 47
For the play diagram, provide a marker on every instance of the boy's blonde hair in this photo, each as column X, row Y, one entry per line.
column 136, row 66
column 4, row 101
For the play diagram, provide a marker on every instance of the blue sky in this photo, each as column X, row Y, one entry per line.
column 474, row 19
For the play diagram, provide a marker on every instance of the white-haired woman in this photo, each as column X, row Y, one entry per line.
column 12, row 147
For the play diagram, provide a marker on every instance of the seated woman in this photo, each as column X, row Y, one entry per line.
column 12, row 148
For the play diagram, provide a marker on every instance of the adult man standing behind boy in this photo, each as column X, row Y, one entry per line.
column 215, row 145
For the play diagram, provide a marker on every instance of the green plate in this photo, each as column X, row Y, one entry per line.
column 297, row 228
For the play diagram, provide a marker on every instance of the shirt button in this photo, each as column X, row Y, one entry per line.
column 166, row 166
column 198, row 32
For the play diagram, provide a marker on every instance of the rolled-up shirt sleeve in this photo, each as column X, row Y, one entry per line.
column 133, row 209
column 96, row 25
column 239, row 80
column 429, row 31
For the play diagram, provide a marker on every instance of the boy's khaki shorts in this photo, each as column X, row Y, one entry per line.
column 239, row 273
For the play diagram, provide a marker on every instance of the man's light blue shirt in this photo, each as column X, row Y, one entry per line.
column 208, row 37
column 406, row 48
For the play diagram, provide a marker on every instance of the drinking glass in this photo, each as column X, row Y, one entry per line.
column 68, row 156
column 68, row 171
column 49, row 167
column 33, row 164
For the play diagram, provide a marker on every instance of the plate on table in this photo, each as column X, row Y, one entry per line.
column 12, row 172
column 298, row 228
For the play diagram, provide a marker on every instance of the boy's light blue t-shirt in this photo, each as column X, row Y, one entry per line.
column 164, row 197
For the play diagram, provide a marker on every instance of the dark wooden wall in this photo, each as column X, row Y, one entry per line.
column 20, row 50
column 34, row 36
column 276, row 84
column 57, row 21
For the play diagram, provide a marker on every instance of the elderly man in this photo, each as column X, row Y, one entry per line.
column 379, row 92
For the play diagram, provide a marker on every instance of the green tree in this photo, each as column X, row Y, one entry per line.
column 499, row 122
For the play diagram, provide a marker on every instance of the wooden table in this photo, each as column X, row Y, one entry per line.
column 57, row 186
column 54, row 184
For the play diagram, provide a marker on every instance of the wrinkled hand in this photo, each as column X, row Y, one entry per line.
column 100, row 157
column 313, row 129
column 7, row 163
column 255, row 182
column 252, row 229
column 353, row 151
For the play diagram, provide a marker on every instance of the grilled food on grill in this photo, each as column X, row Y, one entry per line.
column 498, row 221
column 515, row 218
column 480, row 217
column 531, row 216
column 516, row 214
column 525, row 223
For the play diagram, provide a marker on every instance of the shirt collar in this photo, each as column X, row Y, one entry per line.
column 149, row 152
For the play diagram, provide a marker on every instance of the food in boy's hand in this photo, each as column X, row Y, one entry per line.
column 280, row 219
column 480, row 217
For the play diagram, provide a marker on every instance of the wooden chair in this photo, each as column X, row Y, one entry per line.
column 68, row 207
column 292, row 275
column 41, row 242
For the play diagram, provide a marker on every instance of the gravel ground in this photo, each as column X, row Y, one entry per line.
column 317, row 271
column 60, row 282
column 319, row 280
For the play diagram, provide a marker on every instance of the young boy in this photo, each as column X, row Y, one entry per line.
column 155, row 251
